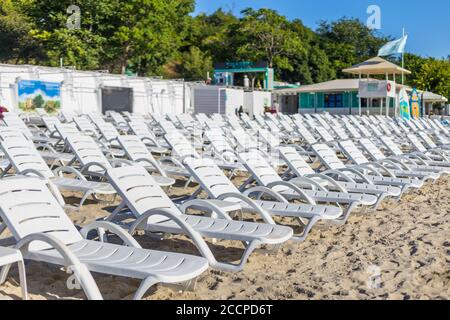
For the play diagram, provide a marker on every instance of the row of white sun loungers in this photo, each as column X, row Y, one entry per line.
column 312, row 168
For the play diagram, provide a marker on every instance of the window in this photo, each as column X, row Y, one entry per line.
column 334, row 100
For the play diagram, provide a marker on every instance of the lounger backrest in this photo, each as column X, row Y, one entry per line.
column 305, row 133
column 351, row 128
column 117, row 118
column 50, row 122
column 323, row 133
column 136, row 150
column 108, row 131
column 416, row 143
column 8, row 132
column 426, row 138
column 322, row 122
column 84, row 124
column 391, row 146
column 372, row 149
column 87, row 151
column 273, row 127
column 140, row 191
column 15, row 122
column 340, row 132
column 385, row 129
column 67, row 129
column 269, row 139
column 97, row 119
column 168, row 127
column 181, row 146
column 259, row 168
column 244, row 140
column 395, row 128
column 28, row 207
column 352, row 151
column 375, row 130
column 140, row 129
column 210, row 176
column 328, row 157
column 22, row 154
column 295, row 161
column 68, row 116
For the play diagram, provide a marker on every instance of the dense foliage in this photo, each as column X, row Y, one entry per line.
column 161, row 37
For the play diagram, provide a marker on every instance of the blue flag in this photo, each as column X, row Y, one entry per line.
column 393, row 47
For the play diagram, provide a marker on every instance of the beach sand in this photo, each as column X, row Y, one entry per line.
column 401, row 251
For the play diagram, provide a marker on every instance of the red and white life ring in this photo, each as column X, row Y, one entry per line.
column 389, row 87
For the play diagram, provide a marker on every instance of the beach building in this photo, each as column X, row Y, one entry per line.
column 375, row 89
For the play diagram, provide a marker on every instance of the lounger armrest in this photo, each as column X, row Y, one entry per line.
column 305, row 180
column 153, row 164
column 45, row 146
column 172, row 160
column 59, row 171
column 86, row 167
column 103, row 226
column 215, row 210
column 28, row 172
column 395, row 164
column 414, row 159
column 398, row 162
column 339, row 174
column 382, row 168
column 71, row 260
column 368, row 168
column 295, row 188
column 153, row 142
column 261, row 190
column 357, row 173
column 328, row 179
column 264, row 214
column 188, row 230
column 120, row 162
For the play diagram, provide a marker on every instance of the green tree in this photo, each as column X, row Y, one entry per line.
column 195, row 64
column 38, row 102
column 265, row 35
column 348, row 41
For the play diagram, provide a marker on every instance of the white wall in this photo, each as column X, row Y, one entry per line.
column 254, row 102
column 81, row 90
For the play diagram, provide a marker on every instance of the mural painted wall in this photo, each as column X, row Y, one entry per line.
column 35, row 94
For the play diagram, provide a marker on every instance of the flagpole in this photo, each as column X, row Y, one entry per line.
column 403, row 61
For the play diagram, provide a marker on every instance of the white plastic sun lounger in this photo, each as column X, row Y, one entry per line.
column 182, row 149
column 298, row 167
column 213, row 181
column 300, row 188
column 44, row 233
column 25, row 160
column 94, row 163
column 155, row 212
column 329, row 159
column 86, row 126
column 421, row 163
column 141, row 130
column 384, row 168
column 137, row 152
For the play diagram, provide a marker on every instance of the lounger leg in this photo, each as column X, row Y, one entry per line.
column 236, row 267
column 143, row 288
column 188, row 182
column 87, row 282
column 4, row 273
column 346, row 215
column 23, row 280
column 2, row 227
column 308, row 227
column 85, row 196
column 380, row 200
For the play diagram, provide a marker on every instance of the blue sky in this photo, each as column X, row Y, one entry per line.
column 426, row 22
